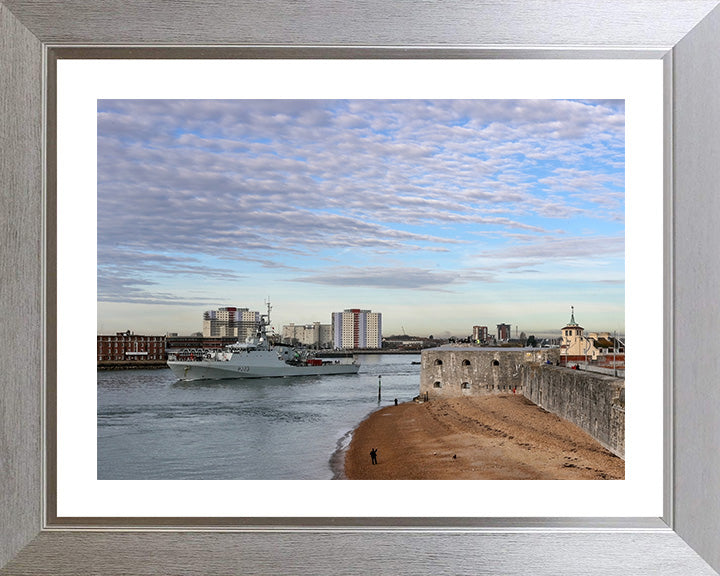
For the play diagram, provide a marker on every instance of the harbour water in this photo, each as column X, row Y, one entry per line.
column 152, row 426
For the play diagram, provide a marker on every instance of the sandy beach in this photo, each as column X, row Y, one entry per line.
column 503, row 437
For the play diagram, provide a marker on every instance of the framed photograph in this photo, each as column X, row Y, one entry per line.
column 581, row 170
column 66, row 62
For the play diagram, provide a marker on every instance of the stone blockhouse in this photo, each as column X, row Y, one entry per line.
column 450, row 371
column 594, row 402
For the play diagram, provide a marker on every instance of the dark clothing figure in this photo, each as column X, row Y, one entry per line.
column 373, row 455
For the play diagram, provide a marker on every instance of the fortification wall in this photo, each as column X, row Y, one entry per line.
column 594, row 402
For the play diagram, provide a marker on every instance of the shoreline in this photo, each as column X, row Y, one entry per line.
column 337, row 458
column 131, row 365
column 498, row 437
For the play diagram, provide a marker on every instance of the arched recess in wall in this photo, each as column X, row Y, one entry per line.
column 438, row 362
column 496, row 363
column 437, row 385
column 466, row 362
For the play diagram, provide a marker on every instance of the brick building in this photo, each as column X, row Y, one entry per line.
column 128, row 346
column 503, row 332
column 480, row 334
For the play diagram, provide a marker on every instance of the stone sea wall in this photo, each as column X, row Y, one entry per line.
column 594, row 402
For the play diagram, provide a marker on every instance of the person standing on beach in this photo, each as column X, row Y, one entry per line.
column 373, row 455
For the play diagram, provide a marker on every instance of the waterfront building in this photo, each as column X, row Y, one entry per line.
column 355, row 328
column 480, row 334
column 503, row 332
column 315, row 335
column 598, row 348
column 230, row 321
column 128, row 346
column 406, row 342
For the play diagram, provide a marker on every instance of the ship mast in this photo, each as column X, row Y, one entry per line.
column 264, row 322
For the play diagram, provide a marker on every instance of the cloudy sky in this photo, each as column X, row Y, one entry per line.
column 439, row 214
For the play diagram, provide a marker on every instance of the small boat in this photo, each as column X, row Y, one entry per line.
column 257, row 357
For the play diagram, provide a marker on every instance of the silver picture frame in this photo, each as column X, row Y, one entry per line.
column 684, row 34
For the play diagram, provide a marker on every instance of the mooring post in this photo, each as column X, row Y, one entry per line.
column 379, row 388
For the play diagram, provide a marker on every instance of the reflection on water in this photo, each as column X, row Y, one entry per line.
column 152, row 426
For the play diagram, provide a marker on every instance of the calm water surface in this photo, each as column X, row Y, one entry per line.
column 152, row 426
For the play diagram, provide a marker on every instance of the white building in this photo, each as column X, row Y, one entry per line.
column 315, row 335
column 576, row 346
column 355, row 328
column 230, row 321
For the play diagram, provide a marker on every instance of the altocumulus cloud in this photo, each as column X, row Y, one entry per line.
column 221, row 189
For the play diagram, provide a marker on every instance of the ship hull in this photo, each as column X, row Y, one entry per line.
column 215, row 370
